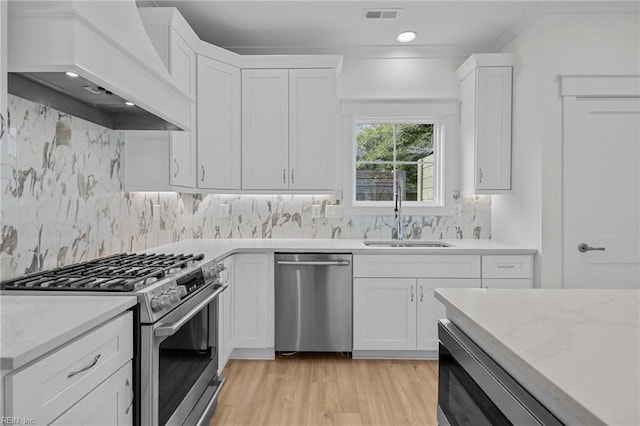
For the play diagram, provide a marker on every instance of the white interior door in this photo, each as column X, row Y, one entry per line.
column 601, row 192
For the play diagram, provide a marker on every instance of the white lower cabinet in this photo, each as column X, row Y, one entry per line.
column 399, row 314
column 395, row 312
column 86, row 381
column 253, row 309
column 111, row 403
column 225, row 317
column 430, row 309
column 384, row 314
column 507, row 271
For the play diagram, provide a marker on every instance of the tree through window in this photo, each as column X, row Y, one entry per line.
column 384, row 148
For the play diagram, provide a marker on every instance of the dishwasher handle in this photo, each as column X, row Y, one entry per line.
column 315, row 262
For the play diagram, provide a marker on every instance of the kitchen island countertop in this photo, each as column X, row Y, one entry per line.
column 35, row 325
column 576, row 351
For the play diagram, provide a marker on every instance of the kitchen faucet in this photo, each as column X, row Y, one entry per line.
column 399, row 234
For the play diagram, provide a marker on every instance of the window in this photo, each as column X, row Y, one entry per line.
column 390, row 155
column 407, row 145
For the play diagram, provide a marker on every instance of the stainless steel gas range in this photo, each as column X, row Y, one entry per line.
column 176, row 334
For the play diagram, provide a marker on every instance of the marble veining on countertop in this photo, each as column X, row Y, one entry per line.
column 35, row 325
column 575, row 350
column 219, row 248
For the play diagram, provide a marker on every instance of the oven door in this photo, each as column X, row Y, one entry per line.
column 179, row 363
column 474, row 390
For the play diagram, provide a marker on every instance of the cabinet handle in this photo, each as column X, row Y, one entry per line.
column 412, row 293
column 177, row 167
column 284, row 175
column 128, row 385
column 95, row 361
column 3, row 126
column 202, row 167
column 421, row 294
column 480, row 175
column 506, row 266
column 293, row 179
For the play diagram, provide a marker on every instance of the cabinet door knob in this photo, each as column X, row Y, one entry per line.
column 176, row 168
column 412, row 293
column 480, row 175
column 293, row 179
column 421, row 294
column 284, row 175
column 202, row 168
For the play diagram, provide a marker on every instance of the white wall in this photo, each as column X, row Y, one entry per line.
column 399, row 78
column 556, row 44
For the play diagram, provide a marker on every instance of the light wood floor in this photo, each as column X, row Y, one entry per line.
column 327, row 389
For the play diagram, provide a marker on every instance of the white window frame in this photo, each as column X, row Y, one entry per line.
column 442, row 113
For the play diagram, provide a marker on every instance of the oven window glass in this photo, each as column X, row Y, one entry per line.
column 183, row 359
column 461, row 399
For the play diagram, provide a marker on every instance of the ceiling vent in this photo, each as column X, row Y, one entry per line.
column 380, row 14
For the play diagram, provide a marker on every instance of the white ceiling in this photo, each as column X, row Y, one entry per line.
column 445, row 28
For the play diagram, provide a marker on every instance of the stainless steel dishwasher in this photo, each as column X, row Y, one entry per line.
column 313, row 302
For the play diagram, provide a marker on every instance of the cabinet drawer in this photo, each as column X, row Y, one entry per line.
column 416, row 266
column 507, row 266
column 48, row 387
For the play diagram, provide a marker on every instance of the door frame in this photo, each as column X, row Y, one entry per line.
column 589, row 86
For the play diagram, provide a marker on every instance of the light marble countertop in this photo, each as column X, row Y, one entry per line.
column 35, row 325
column 220, row 248
column 576, row 351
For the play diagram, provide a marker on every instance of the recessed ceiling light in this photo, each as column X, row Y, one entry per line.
column 407, row 36
column 71, row 74
column 129, row 103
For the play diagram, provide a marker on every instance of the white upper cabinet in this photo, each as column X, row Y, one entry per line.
column 313, row 129
column 485, row 123
column 289, row 129
column 3, row 72
column 179, row 168
column 265, row 129
column 183, row 144
column 218, row 129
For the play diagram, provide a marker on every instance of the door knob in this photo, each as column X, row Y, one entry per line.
column 584, row 247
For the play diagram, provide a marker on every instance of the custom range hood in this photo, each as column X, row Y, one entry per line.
column 92, row 59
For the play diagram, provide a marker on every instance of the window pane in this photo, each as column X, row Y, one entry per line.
column 414, row 141
column 374, row 142
column 374, row 182
column 418, row 181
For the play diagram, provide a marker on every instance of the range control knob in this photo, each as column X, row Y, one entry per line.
column 156, row 304
column 165, row 300
column 182, row 291
column 173, row 295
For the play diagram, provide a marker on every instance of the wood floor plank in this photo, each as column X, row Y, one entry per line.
column 348, row 419
column 327, row 389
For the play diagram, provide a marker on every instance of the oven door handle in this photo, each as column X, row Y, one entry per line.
column 170, row 330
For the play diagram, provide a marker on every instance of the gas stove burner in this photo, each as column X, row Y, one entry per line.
column 116, row 273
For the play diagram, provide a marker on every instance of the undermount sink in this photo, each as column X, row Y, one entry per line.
column 407, row 243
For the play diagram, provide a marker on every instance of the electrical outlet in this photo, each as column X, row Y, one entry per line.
column 316, row 211
column 223, row 210
column 334, row 211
